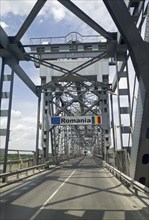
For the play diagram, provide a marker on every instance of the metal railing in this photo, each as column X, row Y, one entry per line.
column 4, row 177
column 13, row 165
column 126, row 180
column 73, row 36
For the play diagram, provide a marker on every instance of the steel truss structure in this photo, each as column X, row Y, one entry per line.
column 72, row 93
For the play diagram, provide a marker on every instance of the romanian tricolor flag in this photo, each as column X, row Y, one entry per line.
column 97, row 120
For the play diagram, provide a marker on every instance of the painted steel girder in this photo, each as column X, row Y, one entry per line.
column 66, row 72
column 64, row 110
column 139, row 50
column 8, row 49
column 12, row 45
column 13, row 62
column 34, row 12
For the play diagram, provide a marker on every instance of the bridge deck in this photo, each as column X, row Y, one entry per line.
column 78, row 189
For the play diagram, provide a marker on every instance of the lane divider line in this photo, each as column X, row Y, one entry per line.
column 47, row 201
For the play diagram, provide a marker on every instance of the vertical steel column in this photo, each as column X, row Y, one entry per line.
column 45, row 127
column 54, row 141
column 2, row 80
column 139, row 167
column 72, row 141
column 8, row 124
column 65, row 141
column 48, row 112
column 118, row 99
column 52, row 148
column 112, row 124
column 130, row 107
column 51, row 130
column 37, row 130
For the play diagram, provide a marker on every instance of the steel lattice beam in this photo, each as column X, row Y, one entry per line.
column 34, row 12
column 66, row 71
column 132, row 38
column 13, row 62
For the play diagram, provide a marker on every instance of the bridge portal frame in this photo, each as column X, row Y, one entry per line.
column 12, row 47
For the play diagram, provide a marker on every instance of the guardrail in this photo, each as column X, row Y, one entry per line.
column 13, row 165
column 126, row 180
column 38, row 168
column 4, row 176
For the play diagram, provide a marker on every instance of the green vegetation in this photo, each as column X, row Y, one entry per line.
column 16, row 156
column 1, row 158
column 20, row 156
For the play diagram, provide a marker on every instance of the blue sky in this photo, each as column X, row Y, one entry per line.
column 53, row 20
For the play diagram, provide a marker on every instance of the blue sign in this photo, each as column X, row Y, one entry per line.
column 76, row 120
column 55, row 120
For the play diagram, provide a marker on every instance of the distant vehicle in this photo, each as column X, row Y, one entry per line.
column 85, row 153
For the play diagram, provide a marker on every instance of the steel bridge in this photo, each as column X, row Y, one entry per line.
column 74, row 72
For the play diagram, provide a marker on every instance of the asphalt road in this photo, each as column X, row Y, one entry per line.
column 77, row 190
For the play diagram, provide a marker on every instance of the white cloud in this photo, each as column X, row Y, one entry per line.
column 22, row 131
column 40, row 21
column 35, row 78
column 16, row 114
column 16, row 7
column 98, row 12
column 58, row 11
column 3, row 122
column 4, row 25
column 95, row 9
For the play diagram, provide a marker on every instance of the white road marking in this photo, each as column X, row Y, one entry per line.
column 46, row 202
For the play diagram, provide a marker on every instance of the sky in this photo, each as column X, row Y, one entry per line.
column 52, row 21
